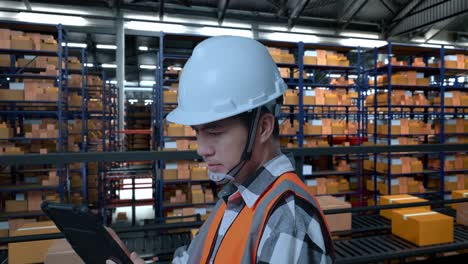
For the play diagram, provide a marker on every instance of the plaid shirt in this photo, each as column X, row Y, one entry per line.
column 292, row 233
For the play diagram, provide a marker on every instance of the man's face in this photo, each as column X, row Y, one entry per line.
column 221, row 143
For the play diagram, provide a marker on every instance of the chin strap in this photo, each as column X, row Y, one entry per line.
column 222, row 178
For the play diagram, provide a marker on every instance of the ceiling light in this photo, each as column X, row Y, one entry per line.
column 101, row 46
column 147, row 66
column 139, row 89
column 147, row 83
column 74, row 45
column 352, row 76
column 143, row 48
column 108, row 65
column 332, row 75
column 365, row 43
column 89, row 65
column 360, row 35
column 219, row 31
column 51, row 19
column 291, row 37
column 174, row 68
column 149, row 26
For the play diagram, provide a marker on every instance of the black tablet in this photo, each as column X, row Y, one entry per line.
column 85, row 233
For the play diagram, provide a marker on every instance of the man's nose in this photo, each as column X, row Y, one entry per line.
column 204, row 148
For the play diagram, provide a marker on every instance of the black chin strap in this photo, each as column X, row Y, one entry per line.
column 247, row 153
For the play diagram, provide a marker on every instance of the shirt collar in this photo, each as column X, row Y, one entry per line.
column 256, row 185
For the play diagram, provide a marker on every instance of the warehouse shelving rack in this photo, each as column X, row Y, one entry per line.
column 16, row 111
column 430, row 112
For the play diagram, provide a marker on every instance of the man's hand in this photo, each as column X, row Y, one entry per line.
column 133, row 257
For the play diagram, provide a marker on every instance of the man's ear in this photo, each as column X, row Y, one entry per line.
column 266, row 127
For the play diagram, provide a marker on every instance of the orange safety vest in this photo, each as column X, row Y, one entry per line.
column 247, row 229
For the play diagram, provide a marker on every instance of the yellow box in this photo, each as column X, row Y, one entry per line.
column 309, row 100
column 291, row 99
column 422, row 227
column 176, row 130
column 34, row 251
column 459, row 194
column 310, row 60
column 199, row 173
column 170, row 96
column 400, row 199
column 13, row 206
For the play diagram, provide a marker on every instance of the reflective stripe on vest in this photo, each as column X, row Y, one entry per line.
column 247, row 229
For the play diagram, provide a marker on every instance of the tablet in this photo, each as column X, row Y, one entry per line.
column 85, row 233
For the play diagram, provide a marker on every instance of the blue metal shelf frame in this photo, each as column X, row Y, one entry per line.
column 437, row 110
column 60, row 113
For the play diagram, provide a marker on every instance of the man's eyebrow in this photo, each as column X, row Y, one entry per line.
column 208, row 126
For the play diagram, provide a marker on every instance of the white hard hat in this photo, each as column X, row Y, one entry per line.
column 226, row 76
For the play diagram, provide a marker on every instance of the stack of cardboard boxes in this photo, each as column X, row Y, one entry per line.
column 281, row 55
column 402, row 78
column 329, row 185
column 319, row 96
column 177, row 130
column 40, row 90
column 336, row 222
column 327, row 126
column 5, row 131
column 403, row 126
column 456, row 61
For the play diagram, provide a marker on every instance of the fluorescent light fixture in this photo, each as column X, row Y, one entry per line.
column 101, row 46
column 360, row 35
column 148, row 101
column 74, row 45
column 182, row 20
column 108, row 65
column 419, row 40
column 89, row 65
column 143, row 48
column 236, row 24
column 461, row 79
column 51, row 19
column 7, row 78
column 449, row 47
column 139, row 89
column 112, row 82
column 147, row 83
column 440, row 42
column 132, row 101
column 150, row 26
column 333, row 75
column 174, row 68
column 352, row 76
column 130, row 83
column 274, row 28
column 291, row 37
column 429, row 45
column 304, row 30
column 219, row 31
column 147, row 66
column 365, row 43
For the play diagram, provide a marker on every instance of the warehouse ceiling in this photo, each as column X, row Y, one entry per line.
column 426, row 21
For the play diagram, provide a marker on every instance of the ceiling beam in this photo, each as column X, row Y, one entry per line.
column 27, row 4
column 403, row 13
column 296, row 13
column 161, row 9
column 427, row 16
column 222, row 7
column 389, row 6
column 353, row 10
column 439, row 27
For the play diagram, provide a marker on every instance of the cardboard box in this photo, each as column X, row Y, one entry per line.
column 399, row 199
column 34, row 201
column 458, row 194
column 336, row 222
column 22, row 44
column 175, row 130
column 61, row 252
column 310, row 60
column 462, row 214
column 170, row 96
column 11, row 95
column 199, row 173
column 36, row 250
column 422, row 227
column 13, row 206
column 6, row 132
column 290, row 98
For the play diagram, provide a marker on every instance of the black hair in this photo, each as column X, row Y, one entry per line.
column 247, row 117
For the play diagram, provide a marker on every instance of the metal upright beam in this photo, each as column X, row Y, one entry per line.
column 296, row 12
column 161, row 9
column 427, row 15
column 222, row 7
column 120, row 55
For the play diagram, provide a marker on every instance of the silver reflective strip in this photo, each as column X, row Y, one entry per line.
column 260, row 211
column 196, row 247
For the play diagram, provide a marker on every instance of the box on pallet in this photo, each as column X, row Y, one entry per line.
column 336, row 222
column 399, row 199
column 422, row 227
column 36, row 250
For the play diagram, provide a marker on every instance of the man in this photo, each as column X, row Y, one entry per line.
column 229, row 93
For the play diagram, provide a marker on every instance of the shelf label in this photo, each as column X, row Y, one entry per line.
column 307, row 169
column 405, row 217
column 395, row 122
column 309, row 93
column 448, row 95
column 396, row 161
column 170, row 144
column 201, row 211
column 311, row 182
column 451, row 178
column 171, row 166
column 316, row 122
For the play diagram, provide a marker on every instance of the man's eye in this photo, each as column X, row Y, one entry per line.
column 215, row 133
